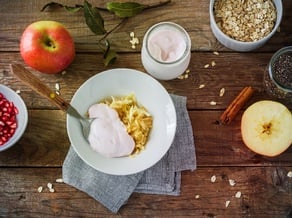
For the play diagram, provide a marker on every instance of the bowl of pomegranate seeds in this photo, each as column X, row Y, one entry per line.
column 13, row 117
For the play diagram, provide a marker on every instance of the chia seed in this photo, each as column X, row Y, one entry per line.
column 278, row 77
column 282, row 69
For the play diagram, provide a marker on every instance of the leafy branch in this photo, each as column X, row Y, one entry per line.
column 95, row 21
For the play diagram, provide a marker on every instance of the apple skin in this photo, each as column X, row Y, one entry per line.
column 266, row 128
column 47, row 46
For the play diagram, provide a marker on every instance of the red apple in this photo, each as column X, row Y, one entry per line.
column 266, row 128
column 47, row 46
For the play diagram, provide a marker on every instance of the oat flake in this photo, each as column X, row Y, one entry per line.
column 60, row 180
column 40, row 189
column 238, row 194
column 222, row 92
column 232, row 182
column 289, row 174
column 50, row 185
column 212, row 103
column 213, row 178
column 206, row 65
column 201, row 86
column 227, row 203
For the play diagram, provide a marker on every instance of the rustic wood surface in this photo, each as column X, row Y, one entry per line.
column 38, row 157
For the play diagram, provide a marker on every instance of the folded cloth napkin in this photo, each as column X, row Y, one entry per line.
column 163, row 178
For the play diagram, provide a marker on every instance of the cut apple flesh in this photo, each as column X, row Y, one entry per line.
column 266, row 128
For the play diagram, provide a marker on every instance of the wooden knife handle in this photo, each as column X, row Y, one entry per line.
column 37, row 85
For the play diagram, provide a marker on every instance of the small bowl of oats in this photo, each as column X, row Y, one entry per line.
column 245, row 25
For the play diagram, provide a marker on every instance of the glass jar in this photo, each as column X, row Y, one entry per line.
column 278, row 76
column 166, row 50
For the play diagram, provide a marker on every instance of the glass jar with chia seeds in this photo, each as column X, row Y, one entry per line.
column 278, row 76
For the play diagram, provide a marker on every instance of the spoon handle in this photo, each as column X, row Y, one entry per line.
column 37, row 85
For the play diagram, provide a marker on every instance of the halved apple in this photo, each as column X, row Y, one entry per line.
column 266, row 128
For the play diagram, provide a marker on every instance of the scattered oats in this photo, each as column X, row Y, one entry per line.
column 63, row 72
column 17, row 91
column 222, row 92
column 60, row 180
column 232, row 182
column 201, row 86
column 206, row 65
column 57, row 92
column 185, row 75
column 213, row 63
column 216, row 53
column 278, row 29
column 40, row 189
column 52, row 190
column 134, row 40
column 289, row 174
column 50, row 185
column 213, row 178
column 197, row 196
column 238, row 194
column 213, row 103
column 227, row 203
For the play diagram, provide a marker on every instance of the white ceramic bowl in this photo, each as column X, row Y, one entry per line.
column 239, row 45
column 21, row 117
column 149, row 93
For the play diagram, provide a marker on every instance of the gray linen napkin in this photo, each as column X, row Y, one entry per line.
column 163, row 178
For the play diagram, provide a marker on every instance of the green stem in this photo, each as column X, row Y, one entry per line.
column 110, row 31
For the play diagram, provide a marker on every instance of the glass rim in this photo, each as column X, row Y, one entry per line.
column 177, row 27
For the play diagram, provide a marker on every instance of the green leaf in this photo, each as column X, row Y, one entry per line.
column 93, row 19
column 127, row 9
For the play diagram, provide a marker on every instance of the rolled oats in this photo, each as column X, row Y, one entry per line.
column 246, row 20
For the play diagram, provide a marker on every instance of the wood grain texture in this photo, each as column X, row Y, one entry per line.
column 232, row 71
column 265, row 192
column 45, row 142
column 194, row 16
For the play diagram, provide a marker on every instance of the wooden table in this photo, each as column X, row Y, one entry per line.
column 38, row 157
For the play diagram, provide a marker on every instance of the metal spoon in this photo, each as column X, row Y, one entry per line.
column 37, row 85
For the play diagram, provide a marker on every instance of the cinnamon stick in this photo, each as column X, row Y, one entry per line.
column 240, row 100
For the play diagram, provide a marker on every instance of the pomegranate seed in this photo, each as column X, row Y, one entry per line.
column 8, row 122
